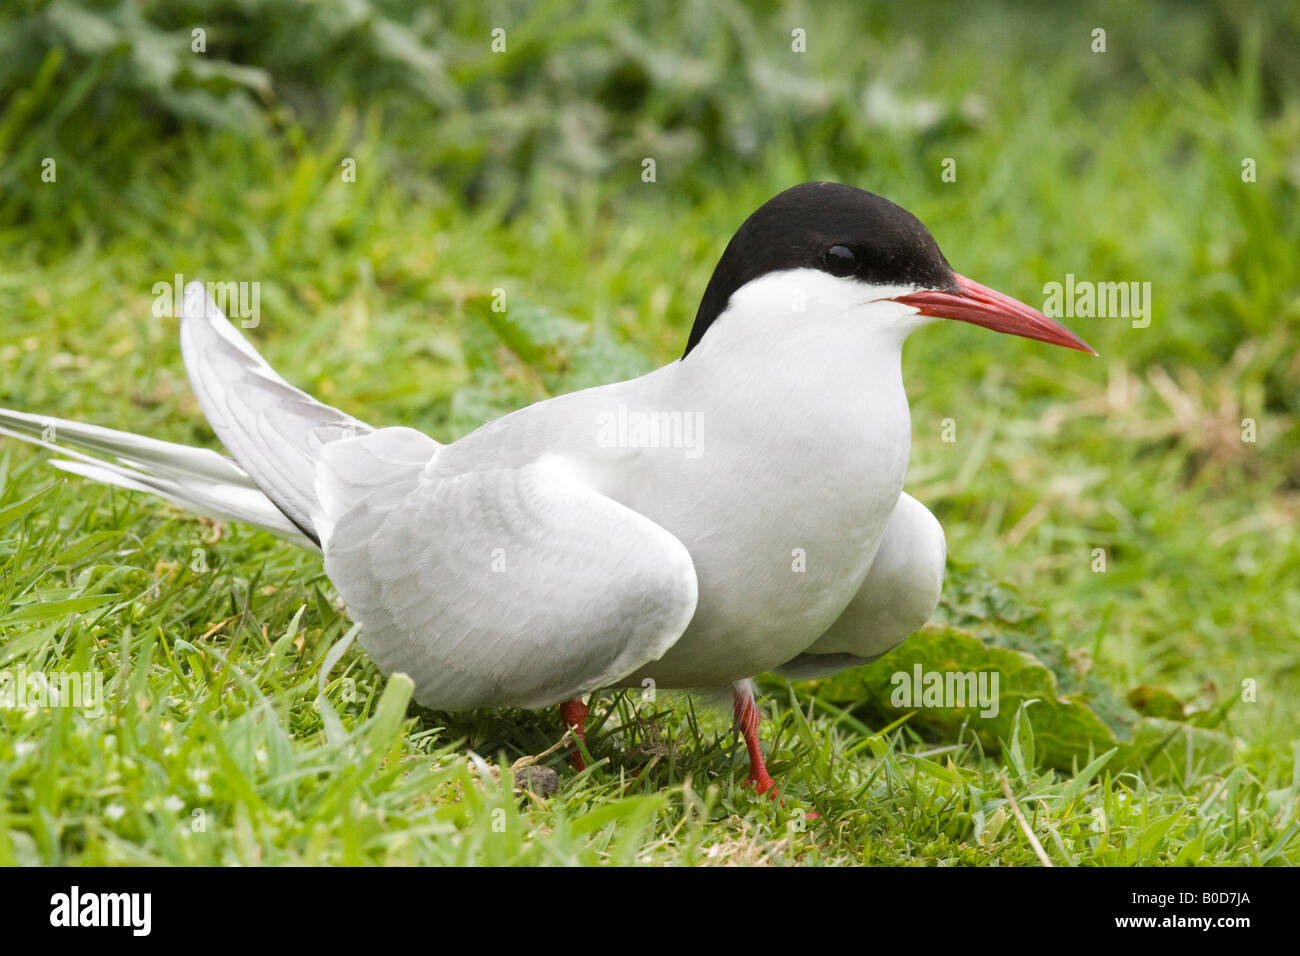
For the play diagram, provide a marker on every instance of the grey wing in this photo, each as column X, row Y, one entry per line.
column 510, row 586
column 899, row 594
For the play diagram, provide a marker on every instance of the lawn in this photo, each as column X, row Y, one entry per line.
column 1125, row 525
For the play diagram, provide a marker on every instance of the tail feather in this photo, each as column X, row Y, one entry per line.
column 197, row 479
column 274, row 431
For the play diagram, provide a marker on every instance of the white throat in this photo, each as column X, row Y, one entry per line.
column 805, row 335
column 786, row 312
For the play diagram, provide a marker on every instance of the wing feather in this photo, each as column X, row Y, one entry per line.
column 516, row 586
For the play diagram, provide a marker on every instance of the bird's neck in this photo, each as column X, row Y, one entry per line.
column 821, row 357
column 829, row 391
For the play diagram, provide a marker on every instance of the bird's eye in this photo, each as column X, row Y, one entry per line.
column 840, row 260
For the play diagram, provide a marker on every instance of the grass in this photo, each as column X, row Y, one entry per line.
column 227, row 739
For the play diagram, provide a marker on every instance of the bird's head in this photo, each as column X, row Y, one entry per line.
column 840, row 247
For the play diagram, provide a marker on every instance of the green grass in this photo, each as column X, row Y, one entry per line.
column 218, row 744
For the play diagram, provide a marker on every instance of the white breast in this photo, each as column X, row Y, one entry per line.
column 804, row 447
column 780, row 486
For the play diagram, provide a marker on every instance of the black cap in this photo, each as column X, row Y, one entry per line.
column 832, row 227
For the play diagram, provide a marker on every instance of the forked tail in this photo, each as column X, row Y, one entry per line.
column 274, row 431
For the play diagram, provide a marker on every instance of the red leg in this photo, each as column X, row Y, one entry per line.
column 747, row 718
column 574, row 714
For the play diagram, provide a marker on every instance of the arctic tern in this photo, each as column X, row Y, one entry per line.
column 535, row 560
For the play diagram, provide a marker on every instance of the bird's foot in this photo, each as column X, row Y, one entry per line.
column 747, row 718
column 574, row 714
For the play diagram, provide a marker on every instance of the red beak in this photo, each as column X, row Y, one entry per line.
column 993, row 310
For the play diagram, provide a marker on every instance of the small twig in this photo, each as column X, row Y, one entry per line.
column 527, row 761
column 1024, row 824
column 213, row 629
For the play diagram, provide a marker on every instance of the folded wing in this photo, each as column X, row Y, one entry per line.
column 509, row 586
column 898, row 595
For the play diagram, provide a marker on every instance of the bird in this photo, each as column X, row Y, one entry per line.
column 737, row 511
